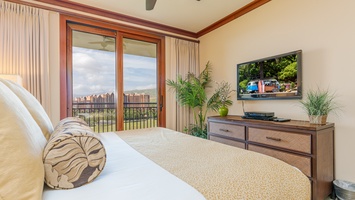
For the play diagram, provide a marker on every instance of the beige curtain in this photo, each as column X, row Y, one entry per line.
column 24, row 47
column 181, row 57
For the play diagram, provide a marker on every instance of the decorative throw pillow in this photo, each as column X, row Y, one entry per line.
column 33, row 106
column 21, row 148
column 73, row 156
column 70, row 123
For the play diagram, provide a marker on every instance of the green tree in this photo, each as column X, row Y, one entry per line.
column 243, row 84
column 289, row 73
column 269, row 69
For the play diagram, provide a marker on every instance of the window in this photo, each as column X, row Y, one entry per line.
column 111, row 77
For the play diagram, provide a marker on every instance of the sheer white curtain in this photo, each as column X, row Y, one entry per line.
column 24, row 47
column 181, row 57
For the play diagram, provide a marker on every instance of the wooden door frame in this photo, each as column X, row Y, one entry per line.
column 101, row 27
column 160, row 72
column 69, row 63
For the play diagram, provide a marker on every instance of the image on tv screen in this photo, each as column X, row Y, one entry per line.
column 275, row 77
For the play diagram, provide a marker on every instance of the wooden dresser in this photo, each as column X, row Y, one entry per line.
column 306, row 146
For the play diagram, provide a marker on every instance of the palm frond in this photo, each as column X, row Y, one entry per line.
column 205, row 76
column 191, row 92
column 214, row 102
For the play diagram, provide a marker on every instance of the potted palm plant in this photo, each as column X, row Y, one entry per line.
column 318, row 104
column 191, row 92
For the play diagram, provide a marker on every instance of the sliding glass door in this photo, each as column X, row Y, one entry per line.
column 94, row 80
column 114, row 79
column 139, row 84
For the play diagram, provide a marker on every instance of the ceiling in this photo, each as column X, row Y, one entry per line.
column 189, row 15
column 99, row 42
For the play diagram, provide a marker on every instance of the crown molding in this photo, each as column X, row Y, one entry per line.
column 49, row 5
column 238, row 13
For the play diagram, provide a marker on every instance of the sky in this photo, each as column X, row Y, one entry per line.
column 94, row 72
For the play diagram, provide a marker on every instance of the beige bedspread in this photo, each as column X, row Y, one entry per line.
column 219, row 171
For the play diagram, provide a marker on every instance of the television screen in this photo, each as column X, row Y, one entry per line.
column 276, row 77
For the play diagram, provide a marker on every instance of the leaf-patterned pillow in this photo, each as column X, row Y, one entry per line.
column 73, row 157
column 70, row 123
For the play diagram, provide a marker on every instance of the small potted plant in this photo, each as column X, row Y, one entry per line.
column 318, row 104
column 223, row 92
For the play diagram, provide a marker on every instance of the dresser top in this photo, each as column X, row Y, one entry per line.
column 300, row 124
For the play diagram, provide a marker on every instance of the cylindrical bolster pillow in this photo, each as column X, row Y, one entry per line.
column 73, row 157
column 70, row 123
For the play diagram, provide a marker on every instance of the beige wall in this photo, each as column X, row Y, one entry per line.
column 324, row 30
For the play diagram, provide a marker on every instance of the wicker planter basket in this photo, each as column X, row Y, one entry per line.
column 318, row 119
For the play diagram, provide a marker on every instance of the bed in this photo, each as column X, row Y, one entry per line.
column 149, row 164
column 206, row 169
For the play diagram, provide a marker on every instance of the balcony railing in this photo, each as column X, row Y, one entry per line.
column 101, row 117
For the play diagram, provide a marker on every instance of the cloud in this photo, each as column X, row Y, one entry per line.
column 133, row 61
column 94, row 72
column 151, row 86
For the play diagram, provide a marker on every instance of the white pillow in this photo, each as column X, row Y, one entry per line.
column 21, row 147
column 33, row 105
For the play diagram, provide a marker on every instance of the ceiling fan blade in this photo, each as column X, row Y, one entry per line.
column 149, row 4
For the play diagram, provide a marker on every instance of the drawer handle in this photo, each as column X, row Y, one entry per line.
column 224, row 130
column 272, row 138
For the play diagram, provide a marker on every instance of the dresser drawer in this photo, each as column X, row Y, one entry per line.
column 228, row 142
column 229, row 130
column 301, row 162
column 292, row 141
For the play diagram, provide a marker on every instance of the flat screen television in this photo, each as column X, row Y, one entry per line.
column 275, row 77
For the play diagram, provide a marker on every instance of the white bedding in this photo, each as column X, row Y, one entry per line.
column 128, row 175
